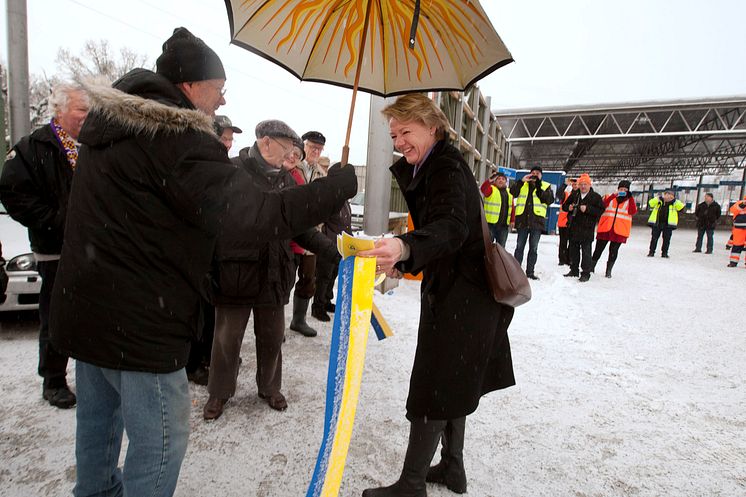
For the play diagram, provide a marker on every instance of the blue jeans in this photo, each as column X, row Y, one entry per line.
column 533, row 247
column 499, row 233
column 152, row 408
column 700, row 234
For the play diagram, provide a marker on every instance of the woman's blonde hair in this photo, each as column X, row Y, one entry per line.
column 418, row 107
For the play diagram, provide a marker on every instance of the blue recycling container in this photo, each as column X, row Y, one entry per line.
column 552, row 217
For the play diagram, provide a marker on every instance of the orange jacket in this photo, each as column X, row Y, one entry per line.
column 562, row 219
column 738, row 211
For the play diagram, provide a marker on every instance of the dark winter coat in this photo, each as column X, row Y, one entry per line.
column 34, row 188
column 582, row 225
column 707, row 215
column 263, row 274
column 153, row 191
column 463, row 350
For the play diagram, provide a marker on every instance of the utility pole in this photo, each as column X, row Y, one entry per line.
column 18, row 79
column 377, row 175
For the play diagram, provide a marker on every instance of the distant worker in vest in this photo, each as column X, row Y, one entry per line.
column 584, row 208
column 738, row 211
column 533, row 197
column 707, row 214
column 615, row 224
column 571, row 184
column 664, row 217
column 498, row 207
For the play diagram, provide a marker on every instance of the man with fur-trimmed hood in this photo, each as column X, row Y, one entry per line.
column 154, row 190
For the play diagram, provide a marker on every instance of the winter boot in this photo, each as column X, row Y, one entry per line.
column 585, row 277
column 450, row 470
column 572, row 274
column 732, row 264
column 298, row 323
column 423, row 440
column 609, row 266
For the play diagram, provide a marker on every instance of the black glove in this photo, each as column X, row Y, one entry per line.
column 344, row 177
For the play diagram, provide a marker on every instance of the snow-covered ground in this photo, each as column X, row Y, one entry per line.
column 630, row 386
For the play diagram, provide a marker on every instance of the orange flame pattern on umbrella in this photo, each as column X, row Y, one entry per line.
column 318, row 40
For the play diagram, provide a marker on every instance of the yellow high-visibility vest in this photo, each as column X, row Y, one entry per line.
column 673, row 212
column 493, row 206
column 520, row 203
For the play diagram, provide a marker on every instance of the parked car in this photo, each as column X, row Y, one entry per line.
column 24, row 283
column 357, row 206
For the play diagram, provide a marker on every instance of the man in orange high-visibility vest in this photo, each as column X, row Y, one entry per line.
column 738, row 211
column 615, row 224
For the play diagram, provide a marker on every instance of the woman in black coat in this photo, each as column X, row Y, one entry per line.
column 462, row 345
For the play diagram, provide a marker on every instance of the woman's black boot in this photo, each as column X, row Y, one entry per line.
column 423, row 440
column 450, row 470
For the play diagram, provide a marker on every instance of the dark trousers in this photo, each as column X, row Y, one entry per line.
column 201, row 350
column 326, row 273
column 613, row 251
column 564, row 245
column 700, row 235
column 533, row 235
column 52, row 364
column 499, row 232
column 230, row 326
column 580, row 256
column 305, row 287
column 657, row 231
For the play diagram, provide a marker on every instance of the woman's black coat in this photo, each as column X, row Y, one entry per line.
column 462, row 345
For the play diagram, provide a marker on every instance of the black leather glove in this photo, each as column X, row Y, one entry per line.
column 345, row 177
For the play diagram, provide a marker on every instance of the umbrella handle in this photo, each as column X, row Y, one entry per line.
column 363, row 36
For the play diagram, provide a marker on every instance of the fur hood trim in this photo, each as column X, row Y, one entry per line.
column 145, row 116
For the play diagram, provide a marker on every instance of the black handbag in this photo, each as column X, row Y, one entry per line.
column 506, row 278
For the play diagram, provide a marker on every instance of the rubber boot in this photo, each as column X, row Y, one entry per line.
column 450, row 470
column 298, row 323
column 423, row 440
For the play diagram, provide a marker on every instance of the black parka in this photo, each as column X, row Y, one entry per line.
column 263, row 274
column 707, row 215
column 462, row 342
column 34, row 187
column 153, row 190
column 582, row 225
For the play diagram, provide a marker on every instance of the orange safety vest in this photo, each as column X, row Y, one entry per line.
column 739, row 215
column 616, row 216
column 562, row 218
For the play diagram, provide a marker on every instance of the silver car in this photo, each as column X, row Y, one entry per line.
column 24, row 283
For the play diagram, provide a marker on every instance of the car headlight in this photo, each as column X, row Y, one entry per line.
column 23, row 262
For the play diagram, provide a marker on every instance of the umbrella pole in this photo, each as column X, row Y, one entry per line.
column 363, row 37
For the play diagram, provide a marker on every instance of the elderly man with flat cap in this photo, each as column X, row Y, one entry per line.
column 305, row 287
column 257, row 281
column 154, row 191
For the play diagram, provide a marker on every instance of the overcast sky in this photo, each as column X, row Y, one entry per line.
column 568, row 52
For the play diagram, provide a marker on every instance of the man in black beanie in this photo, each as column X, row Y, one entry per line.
column 153, row 192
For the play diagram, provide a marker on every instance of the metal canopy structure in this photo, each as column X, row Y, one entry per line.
column 646, row 141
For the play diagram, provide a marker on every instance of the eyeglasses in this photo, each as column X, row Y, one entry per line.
column 315, row 148
column 287, row 152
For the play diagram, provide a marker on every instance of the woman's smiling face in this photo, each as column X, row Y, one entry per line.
column 412, row 139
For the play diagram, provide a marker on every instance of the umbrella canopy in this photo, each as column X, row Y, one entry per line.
column 409, row 45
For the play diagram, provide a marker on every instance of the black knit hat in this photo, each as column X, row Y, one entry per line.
column 624, row 184
column 186, row 58
column 536, row 168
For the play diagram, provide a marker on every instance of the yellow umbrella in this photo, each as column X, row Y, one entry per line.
column 384, row 47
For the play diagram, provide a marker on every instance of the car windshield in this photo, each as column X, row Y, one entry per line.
column 358, row 199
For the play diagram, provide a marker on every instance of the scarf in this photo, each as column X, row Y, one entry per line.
column 71, row 149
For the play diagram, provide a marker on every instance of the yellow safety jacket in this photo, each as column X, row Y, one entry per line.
column 673, row 212
column 540, row 209
column 493, row 206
